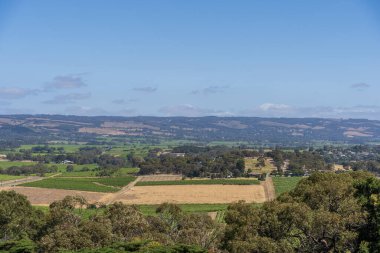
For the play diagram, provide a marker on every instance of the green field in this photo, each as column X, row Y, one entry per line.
column 77, row 167
column 201, row 182
column 90, row 173
column 106, row 184
column 69, row 148
column 285, row 184
column 7, row 164
column 9, row 177
column 126, row 171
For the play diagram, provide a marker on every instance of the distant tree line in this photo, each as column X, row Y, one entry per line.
column 37, row 169
column 198, row 162
column 85, row 155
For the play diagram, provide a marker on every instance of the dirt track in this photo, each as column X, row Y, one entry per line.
column 270, row 192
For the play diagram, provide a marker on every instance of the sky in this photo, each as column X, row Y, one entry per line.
column 291, row 58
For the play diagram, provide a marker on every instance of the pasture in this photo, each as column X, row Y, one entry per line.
column 285, row 184
column 4, row 177
column 7, row 164
column 45, row 196
column 107, row 184
column 251, row 164
column 194, row 194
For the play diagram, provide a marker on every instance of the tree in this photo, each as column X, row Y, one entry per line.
column 127, row 221
column 17, row 217
column 70, row 168
column 369, row 194
column 322, row 214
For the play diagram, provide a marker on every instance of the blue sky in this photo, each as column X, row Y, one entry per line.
column 191, row 58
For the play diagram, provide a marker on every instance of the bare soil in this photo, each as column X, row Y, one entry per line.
column 197, row 194
column 43, row 196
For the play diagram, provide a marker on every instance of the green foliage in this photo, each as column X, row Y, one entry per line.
column 144, row 247
column 369, row 194
column 9, row 177
column 106, row 184
column 285, row 184
column 19, row 246
column 17, row 216
column 321, row 214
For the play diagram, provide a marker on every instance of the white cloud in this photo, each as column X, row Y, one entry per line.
column 16, row 92
column 66, row 82
column 146, row 89
column 68, row 98
column 189, row 110
column 274, row 107
column 124, row 101
column 210, row 90
column 360, row 86
column 86, row 111
column 282, row 110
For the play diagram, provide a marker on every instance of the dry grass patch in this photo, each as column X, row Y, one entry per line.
column 197, row 194
column 251, row 163
column 42, row 196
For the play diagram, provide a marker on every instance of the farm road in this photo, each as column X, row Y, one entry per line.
column 270, row 192
column 111, row 197
column 20, row 181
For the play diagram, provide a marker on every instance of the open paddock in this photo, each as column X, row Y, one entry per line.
column 43, row 196
column 196, row 194
column 163, row 177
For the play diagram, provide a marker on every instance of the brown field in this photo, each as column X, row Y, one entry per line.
column 197, row 194
column 43, row 196
column 160, row 178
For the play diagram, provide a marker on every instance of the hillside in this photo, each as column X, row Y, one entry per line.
column 248, row 130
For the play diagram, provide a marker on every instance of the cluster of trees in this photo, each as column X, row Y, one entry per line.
column 107, row 164
column 117, row 227
column 38, row 169
column 198, row 162
column 299, row 162
column 326, row 212
column 372, row 166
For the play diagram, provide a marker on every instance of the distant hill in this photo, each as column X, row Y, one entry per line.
column 252, row 130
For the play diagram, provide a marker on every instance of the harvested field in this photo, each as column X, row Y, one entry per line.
column 152, row 178
column 42, row 196
column 197, row 194
column 201, row 181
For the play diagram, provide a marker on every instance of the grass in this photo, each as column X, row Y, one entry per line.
column 90, row 173
column 9, row 177
column 69, row 148
column 77, row 167
column 150, row 210
column 201, row 182
column 126, row 171
column 285, row 184
column 220, row 216
column 7, row 164
column 250, row 163
column 107, row 184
